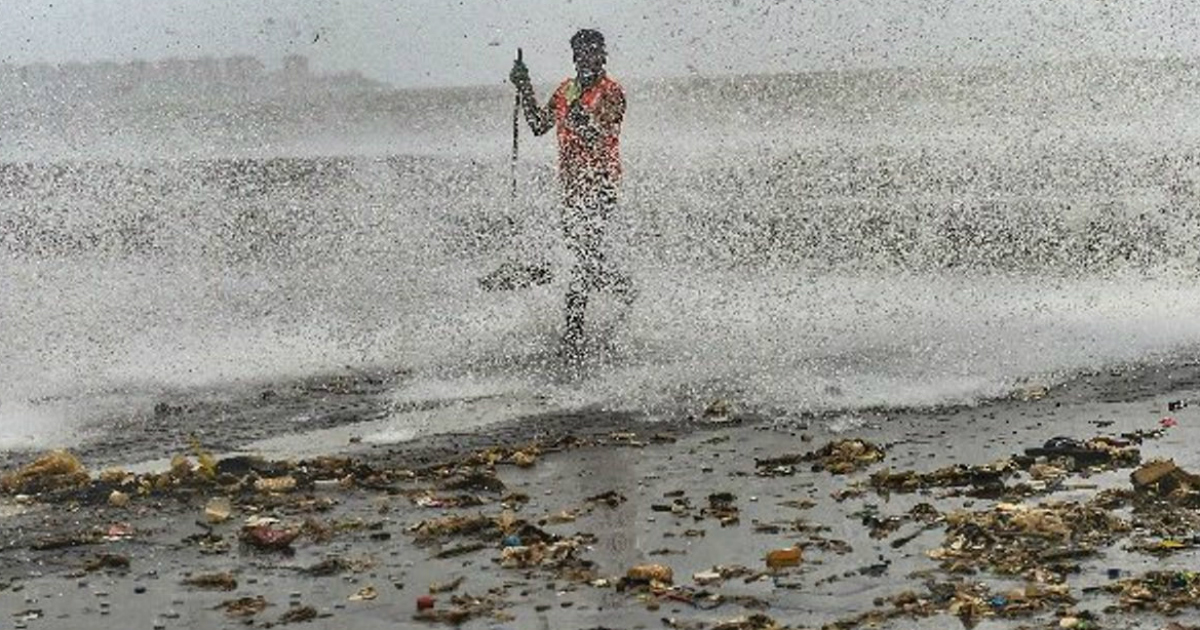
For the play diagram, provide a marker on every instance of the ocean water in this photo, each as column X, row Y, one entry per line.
column 800, row 243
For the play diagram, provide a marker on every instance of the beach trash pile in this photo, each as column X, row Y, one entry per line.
column 1006, row 550
column 55, row 470
column 840, row 457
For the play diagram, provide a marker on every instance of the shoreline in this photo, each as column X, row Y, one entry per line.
column 652, row 487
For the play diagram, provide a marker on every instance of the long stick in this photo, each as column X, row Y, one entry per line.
column 516, row 134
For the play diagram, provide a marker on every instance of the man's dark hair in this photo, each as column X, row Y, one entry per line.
column 587, row 39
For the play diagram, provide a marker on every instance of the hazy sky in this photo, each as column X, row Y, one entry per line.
column 430, row 42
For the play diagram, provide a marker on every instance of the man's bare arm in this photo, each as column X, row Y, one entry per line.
column 540, row 119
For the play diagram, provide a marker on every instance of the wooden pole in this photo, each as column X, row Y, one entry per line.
column 516, row 134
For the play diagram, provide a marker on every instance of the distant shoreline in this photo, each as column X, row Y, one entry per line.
column 250, row 72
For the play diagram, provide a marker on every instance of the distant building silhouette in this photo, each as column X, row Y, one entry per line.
column 243, row 68
column 179, row 77
column 295, row 67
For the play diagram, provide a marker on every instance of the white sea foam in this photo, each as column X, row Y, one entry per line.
column 841, row 252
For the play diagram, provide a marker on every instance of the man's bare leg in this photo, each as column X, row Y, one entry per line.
column 573, row 336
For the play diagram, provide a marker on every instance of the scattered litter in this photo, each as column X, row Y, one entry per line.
column 363, row 594
column 1046, row 472
column 218, row 510
column 55, row 470
column 1014, row 539
column 457, row 501
column 1040, row 544
column 552, row 555
column 1031, row 392
column 717, row 411
column 62, row 541
column 1100, row 451
column 524, row 459
column 1166, row 592
column 462, row 608
column 429, row 530
column 208, row 542
column 118, row 499
column 265, row 534
column 446, row 587
column 753, row 622
column 1161, row 547
column 1163, row 477
column 286, row 483
column 331, row 566
column 206, row 464
column 243, row 606
column 460, row 550
column 565, row 516
column 213, row 581
column 970, row 602
column 113, row 561
column 985, row 480
column 118, row 531
column 721, row 507
column 643, row 573
column 781, row 558
column 299, row 614
column 612, row 498
column 840, row 457
column 475, row 480
column 704, row 578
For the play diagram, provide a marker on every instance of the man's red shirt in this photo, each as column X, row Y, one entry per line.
column 580, row 162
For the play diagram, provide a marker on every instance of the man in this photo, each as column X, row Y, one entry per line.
column 587, row 111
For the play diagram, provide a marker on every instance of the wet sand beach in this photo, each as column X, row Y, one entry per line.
column 543, row 520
